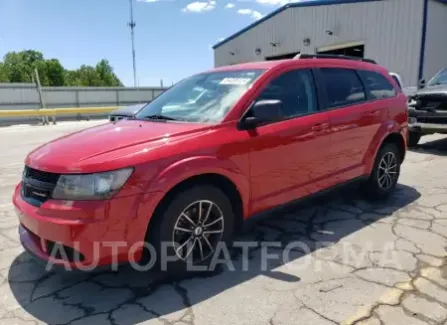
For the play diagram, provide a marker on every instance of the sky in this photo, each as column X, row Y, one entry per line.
column 173, row 38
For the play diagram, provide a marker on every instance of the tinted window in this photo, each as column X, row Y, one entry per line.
column 343, row 87
column 296, row 90
column 377, row 85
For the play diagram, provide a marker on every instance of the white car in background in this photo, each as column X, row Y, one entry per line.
column 408, row 91
column 397, row 78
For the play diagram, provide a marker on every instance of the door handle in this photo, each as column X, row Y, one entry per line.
column 373, row 113
column 320, row 126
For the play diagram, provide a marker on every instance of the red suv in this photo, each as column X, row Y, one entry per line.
column 212, row 151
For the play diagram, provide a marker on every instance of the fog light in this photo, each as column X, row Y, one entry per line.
column 412, row 120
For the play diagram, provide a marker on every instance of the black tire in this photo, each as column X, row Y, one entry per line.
column 162, row 229
column 374, row 186
column 413, row 139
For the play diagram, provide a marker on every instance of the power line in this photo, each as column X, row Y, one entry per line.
column 132, row 25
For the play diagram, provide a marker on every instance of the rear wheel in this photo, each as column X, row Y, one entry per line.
column 188, row 232
column 413, row 139
column 385, row 174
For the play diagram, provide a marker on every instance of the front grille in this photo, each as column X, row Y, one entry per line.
column 432, row 119
column 36, row 194
column 41, row 176
column 37, row 185
column 429, row 104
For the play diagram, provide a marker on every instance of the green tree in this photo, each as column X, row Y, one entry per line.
column 3, row 75
column 88, row 76
column 71, row 78
column 20, row 67
column 16, row 69
column 55, row 73
column 106, row 75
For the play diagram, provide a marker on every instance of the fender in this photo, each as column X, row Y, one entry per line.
column 174, row 174
column 384, row 131
column 184, row 169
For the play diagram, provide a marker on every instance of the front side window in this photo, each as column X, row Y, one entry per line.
column 343, row 87
column 296, row 91
column 378, row 86
column 204, row 98
column 439, row 79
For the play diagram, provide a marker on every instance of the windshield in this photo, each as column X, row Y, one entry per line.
column 206, row 97
column 439, row 79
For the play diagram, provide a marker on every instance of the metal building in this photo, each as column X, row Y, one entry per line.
column 406, row 36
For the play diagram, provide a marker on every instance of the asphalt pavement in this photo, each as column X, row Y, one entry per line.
column 339, row 260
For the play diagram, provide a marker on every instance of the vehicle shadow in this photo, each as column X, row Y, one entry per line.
column 436, row 147
column 130, row 297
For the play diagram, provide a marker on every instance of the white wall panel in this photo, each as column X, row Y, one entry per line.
column 390, row 29
column 435, row 56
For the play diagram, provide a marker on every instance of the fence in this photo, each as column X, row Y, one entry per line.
column 26, row 96
column 15, row 99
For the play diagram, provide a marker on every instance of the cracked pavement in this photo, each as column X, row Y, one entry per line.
column 367, row 263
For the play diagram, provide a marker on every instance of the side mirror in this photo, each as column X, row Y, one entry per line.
column 421, row 83
column 262, row 111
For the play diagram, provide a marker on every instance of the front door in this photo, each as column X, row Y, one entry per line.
column 288, row 155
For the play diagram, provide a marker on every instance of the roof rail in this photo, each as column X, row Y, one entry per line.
column 332, row 56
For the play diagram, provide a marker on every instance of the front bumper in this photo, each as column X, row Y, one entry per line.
column 427, row 122
column 82, row 234
column 428, row 128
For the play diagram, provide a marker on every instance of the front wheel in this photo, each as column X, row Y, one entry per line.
column 385, row 174
column 195, row 225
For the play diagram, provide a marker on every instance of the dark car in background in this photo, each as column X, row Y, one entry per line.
column 126, row 112
column 427, row 108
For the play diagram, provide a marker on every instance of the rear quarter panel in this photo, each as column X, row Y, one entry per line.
column 396, row 121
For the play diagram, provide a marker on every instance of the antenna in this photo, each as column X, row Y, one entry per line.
column 132, row 25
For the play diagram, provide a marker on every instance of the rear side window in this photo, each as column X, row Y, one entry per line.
column 377, row 86
column 342, row 86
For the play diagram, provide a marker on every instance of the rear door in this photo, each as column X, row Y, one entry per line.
column 354, row 119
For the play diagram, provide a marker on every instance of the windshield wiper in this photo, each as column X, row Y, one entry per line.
column 159, row 117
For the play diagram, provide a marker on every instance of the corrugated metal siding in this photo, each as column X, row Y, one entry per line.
column 436, row 42
column 391, row 30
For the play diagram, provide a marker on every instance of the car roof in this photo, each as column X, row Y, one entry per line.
column 250, row 65
column 266, row 65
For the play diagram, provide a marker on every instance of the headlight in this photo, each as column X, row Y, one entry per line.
column 412, row 102
column 98, row 186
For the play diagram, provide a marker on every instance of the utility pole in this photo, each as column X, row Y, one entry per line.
column 42, row 102
column 132, row 25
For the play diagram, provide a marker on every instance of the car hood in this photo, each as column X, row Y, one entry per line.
column 434, row 90
column 108, row 146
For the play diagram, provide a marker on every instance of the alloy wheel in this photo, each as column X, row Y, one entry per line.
column 198, row 230
column 388, row 169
